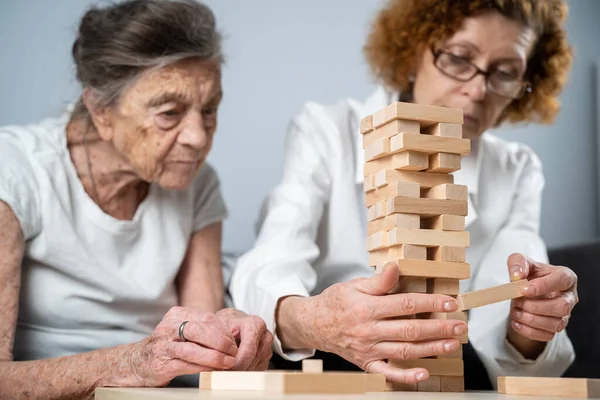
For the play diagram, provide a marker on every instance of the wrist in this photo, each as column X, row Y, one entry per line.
column 127, row 366
column 529, row 348
column 290, row 314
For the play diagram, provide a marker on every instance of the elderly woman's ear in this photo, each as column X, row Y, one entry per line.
column 99, row 113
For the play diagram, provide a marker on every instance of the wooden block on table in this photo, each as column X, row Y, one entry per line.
column 479, row 298
column 425, row 115
column 426, row 207
column 429, row 238
column 405, row 252
column 401, row 387
column 450, row 287
column 444, row 223
column 452, row 384
column 312, row 366
column 390, row 129
column 378, row 149
column 424, row 179
column 443, row 129
column 437, row 367
column 432, row 384
column 397, row 189
column 205, row 379
column 366, row 124
column 428, row 144
column 447, row 254
column 447, row 191
column 551, row 387
column 444, row 162
column 404, row 161
column 406, row 221
column 432, row 269
column 376, row 383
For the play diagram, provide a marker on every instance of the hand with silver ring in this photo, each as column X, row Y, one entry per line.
column 181, row 330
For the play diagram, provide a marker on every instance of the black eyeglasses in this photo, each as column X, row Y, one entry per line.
column 497, row 82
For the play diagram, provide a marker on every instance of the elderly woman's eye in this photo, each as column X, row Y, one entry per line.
column 209, row 111
column 171, row 113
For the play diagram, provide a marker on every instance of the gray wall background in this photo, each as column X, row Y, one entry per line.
column 281, row 53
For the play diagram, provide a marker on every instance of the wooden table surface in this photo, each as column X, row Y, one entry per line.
column 197, row 394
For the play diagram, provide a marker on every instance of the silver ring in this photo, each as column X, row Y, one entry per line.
column 181, row 330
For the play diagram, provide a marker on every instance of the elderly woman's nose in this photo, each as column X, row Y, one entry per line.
column 476, row 88
column 194, row 133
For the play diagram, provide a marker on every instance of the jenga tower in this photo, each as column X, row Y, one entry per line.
column 417, row 214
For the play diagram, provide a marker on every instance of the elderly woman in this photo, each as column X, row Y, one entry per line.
column 498, row 61
column 111, row 219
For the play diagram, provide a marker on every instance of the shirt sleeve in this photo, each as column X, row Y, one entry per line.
column 280, row 264
column 209, row 206
column 488, row 325
column 18, row 184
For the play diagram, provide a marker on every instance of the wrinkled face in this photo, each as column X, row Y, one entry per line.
column 163, row 124
column 491, row 42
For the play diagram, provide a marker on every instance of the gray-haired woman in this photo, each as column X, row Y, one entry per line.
column 111, row 220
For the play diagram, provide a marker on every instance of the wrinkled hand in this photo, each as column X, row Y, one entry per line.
column 358, row 321
column 163, row 355
column 252, row 337
column 548, row 299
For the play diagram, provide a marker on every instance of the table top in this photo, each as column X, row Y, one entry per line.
column 197, row 394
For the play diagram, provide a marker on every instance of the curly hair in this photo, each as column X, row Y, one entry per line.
column 403, row 29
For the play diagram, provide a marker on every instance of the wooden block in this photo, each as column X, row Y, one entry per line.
column 432, row 269
column 458, row 315
column 429, row 238
column 457, row 354
column 390, row 129
column 444, row 223
column 429, row 144
column 444, row 162
column 369, row 183
column 424, row 179
column 205, row 379
column 406, row 221
column 479, row 298
column 450, row 287
column 447, row 191
column 442, row 129
column 437, row 367
column 432, row 384
column 312, row 366
column 378, row 149
column 404, row 161
column 376, row 241
column 551, row 387
column 397, row 189
column 405, row 252
column 452, row 384
column 377, row 210
column 425, row 115
column 411, row 284
column 447, row 254
column 401, row 387
column 366, row 124
column 376, row 383
column 426, row 207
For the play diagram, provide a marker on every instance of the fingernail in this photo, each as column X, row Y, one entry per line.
column 529, row 290
column 450, row 306
column 460, row 329
column 448, row 347
column 517, row 325
column 518, row 314
column 421, row 376
column 229, row 361
column 516, row 271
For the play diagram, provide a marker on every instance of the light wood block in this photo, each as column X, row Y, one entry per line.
column 426, row 207
column 437, row 367
column 458, row 315
column 390, row 129
column 377, row 210
column 401, row 387
column 429, row 238
column 405, row 252
column 432, row 269
column 432, row 384
column 369, row 183
column 551, row 387
column 425, row 115
column 376, row 383
column 312, row 366
column 429, row 144
column 404, row 161
column 447, row 191
column 479, row 298
column 444, row 162
column 406, row 221
column 397, row 189
column 444, row 223
column 424, row 179
column 452, row 384
column 366, row 124
column 376, row 241
column 447, row 254
column 406, row 284
column 378, row 149
column 457, row 354
column 450, row 287
column 442, row 129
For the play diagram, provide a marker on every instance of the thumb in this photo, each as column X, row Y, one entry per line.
column 380, row 284
column 518, row 267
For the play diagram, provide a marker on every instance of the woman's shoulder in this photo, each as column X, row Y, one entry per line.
column 36, row 138
column 508, row 155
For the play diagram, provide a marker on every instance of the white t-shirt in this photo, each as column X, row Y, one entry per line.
column 89, row 280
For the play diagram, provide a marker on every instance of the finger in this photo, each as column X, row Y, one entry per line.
column 548, row 324
column 559, row 279
column 518, row 267
column 560, row 306
column 204, row 335
column 411, row 351
column 263, row 354
column 192, row 353
column 414, row 330
column 397, row 305
column 249, row 343
column 177, row 367
column 532, row 333
column 397, row 375
column 379, row 284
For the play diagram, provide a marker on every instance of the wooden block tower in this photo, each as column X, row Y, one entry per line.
column 416, row 214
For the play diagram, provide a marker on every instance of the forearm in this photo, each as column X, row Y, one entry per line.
column 71, row 377
column 203, row 290
column 292, row 319
column 529, row 348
